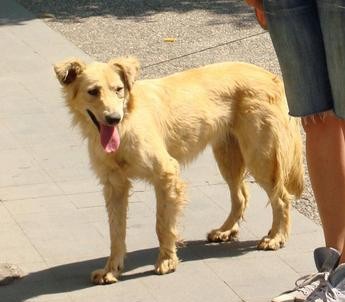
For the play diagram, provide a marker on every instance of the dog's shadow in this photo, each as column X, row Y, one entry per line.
column 74, row 276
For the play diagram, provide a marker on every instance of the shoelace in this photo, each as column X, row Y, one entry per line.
column 308, row 283
column 324, row 292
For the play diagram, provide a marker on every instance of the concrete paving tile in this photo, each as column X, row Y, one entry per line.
column 140, row 186
column 300, row 262
column 43, row 205
column 191, row 282
column 258, row 207
column 301, row 243
column 43, row 225
column 72, row 248
column 18, row 255
column 140, row 211
column 12, row 236
column 197, row 174
column 21, row 169
column 77, row 271
column 29, row 64
column 219, row 194
column 16, row 99
column 215, row 252
column 84, row 186
column 88, row 200
column 8, row 141
column 6, row 218
column 23, row 175
column 80, row 172
column 141, row 238
column 36, row 286
column 147, row 196
column 301, row 224
column 29, row 191
column 13, row 52
column 55, row 155
column 51, row 92
column 129, row 291
column 31, row 129
column 96, row 216
column 259, row 283
column 49, row 52
column 72, row 278
column 67, row 242
column 53, row 161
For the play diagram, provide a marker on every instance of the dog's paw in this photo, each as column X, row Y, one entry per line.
column 268, row 243
column 220, row 236
column 102, row 277
column 166, row 265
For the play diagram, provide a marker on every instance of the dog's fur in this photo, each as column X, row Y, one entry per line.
column 237, row 108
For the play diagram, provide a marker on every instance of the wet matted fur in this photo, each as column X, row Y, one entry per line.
column 145, row 129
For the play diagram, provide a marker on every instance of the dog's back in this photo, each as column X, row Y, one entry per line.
column 204, row 105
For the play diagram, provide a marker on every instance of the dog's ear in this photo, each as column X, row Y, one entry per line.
column 68, row 70
column 129, row 68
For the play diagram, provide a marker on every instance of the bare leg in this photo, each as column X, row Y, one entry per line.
column 325, row 151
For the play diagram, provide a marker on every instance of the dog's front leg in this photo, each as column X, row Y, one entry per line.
column 116, row 197
column 170, row 194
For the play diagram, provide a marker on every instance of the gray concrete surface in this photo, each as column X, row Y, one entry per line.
column 52, row 219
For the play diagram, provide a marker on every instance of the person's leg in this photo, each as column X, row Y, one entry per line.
column 303, row 36
column 295, row 31
column 325, row 153
column 330, row 195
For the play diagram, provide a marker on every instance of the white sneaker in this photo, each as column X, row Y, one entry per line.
column 331, row 290
column 326, row 259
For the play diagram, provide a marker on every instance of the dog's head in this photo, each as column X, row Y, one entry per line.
column 99, row 92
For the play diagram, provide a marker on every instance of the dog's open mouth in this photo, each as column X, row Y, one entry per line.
column 110, row 138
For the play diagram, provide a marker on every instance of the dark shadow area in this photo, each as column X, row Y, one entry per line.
column 137, row 10
column 75, row 276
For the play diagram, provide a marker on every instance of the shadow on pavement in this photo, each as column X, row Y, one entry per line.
column 75, row 276
column 137, row 10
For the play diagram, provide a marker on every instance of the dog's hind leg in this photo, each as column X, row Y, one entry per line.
column 280, row 201
column 115, row 193
column 170, row 194
column 231, row 165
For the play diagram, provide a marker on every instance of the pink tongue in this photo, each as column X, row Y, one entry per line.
column 110, row 138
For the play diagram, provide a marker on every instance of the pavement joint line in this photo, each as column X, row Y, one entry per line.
column 26, row 236
column 204, row 49
column 44, row 196
column 222, row 280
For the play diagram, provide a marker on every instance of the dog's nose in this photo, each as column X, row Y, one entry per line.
column 113, row 118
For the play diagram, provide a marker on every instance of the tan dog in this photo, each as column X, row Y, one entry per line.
column 145, row 129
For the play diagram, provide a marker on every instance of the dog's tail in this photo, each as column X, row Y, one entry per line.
column 295, row 178
column 289, row 172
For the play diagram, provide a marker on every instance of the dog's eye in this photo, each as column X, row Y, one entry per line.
column 118, row 89
column 93, row 91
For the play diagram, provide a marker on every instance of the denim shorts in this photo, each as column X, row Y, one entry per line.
column 309, row 40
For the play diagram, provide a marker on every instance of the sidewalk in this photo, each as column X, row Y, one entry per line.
column 52, row 219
